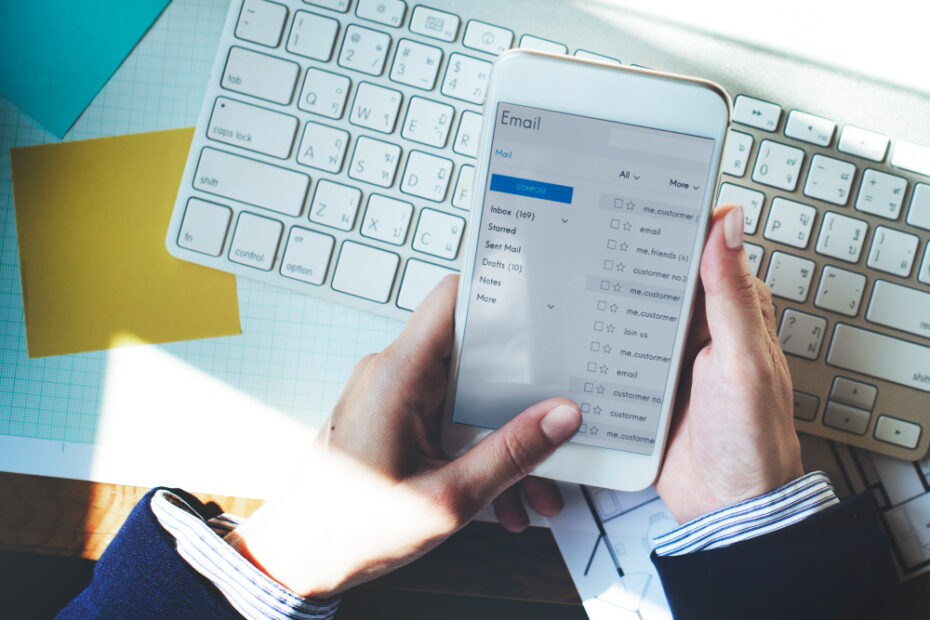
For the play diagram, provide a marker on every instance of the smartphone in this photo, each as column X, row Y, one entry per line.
column 591, row 205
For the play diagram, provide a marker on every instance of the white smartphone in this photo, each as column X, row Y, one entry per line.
column 591, row 204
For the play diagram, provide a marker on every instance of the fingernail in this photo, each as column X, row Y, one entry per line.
column 560, row 423
column 733, row 229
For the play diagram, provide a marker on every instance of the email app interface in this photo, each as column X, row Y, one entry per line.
column 587, row 229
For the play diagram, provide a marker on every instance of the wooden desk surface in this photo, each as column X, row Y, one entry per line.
column 482, row 562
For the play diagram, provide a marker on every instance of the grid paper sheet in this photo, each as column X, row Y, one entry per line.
column 283, row 374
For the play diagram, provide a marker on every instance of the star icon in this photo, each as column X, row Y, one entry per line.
column 630, row 205
column 617, row 287
column 614, row 308
column 604, row 369
column 624, row 246
column 620, row 267
column 596, row 410
column 610, row 328
column 606, row 348
column 627, row 226
column 600, row 389
column 593, row 430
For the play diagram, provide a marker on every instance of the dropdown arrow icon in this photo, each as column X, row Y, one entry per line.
column 550, row 306
column 697, row 187
column 565, row 220
column 636, row 177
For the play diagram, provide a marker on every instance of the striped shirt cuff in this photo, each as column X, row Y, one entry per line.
column 251, row 592
column 760, row 515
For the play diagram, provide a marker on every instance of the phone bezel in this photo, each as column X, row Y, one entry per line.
column 617, row 93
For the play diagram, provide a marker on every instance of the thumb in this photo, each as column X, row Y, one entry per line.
column 731, row 302
column 511, row 452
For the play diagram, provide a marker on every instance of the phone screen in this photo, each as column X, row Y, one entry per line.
column 583, row 258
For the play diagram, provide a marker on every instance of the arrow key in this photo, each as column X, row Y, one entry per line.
column 846, row 418
column 898, row 432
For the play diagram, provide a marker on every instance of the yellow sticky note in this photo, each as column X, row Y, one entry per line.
column 91, row 219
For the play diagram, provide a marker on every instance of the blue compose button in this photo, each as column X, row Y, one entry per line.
column 531, row 189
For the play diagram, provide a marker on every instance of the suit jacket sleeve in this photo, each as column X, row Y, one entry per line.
column 834, row 564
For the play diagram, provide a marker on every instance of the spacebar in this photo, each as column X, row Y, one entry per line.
column 880, row 356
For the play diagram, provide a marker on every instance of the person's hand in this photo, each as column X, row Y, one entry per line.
column 732, row 435
column 377, row 491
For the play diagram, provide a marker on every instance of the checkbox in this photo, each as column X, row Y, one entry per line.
column 582, row 429
column 585, row 407
column 611, row 244
column 605, row 285
column 601, row 305
column 608, row 264
column 615, row 223
column 598, row 326
column 588, row 387
column 592, row 366
column 595, row 346
column 618, row 203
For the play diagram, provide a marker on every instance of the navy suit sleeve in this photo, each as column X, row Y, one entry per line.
column 141, row 575
column 834, row 564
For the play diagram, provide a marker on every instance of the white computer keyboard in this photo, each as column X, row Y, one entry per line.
column 334, row 156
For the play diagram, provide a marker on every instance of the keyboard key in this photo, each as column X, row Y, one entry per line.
column 912, row 157
column 736, row 153
column 253, row 128
column 438, row 233
column 466, row 139
column 893, row 251
column 375, row 107
column 252, row 182
column 809, row 128
column 586, row 55
column 324, row 93
column 335, row 205
column 924, row 274
column 790, row 222
column 840, row 290
column 416, row 64
column 364, row 50
column 829, row 179
column 323, row 147
column 466, row 78
column 918, row 214
column 841, row 237
column 487, row 37
column 313, row 36
column 756, row 113
column 260, row 75
column 805, row 406
column 419, row 279
column 900, row 307
column 434, row 24
column 862, row 143
column 754, row 256
column 428, row 122
column 880, row 356
column 846, row 418
column 461, row 198
column 898, row 432
column 261, row 22
column 789, row 276
column 801, row 333
column 255, row 242
column 778, row 165
column 387, row 219
column 751, row 201
column 334, row 5
column 307, row 255
column 881, row 194
column 374, row 161
column 204, row 227
column 853, row 393
column 387, row 12
column 365, row 271
column 426, row 176
column 529, row 42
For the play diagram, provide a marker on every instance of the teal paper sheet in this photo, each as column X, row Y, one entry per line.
column 56, row 55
